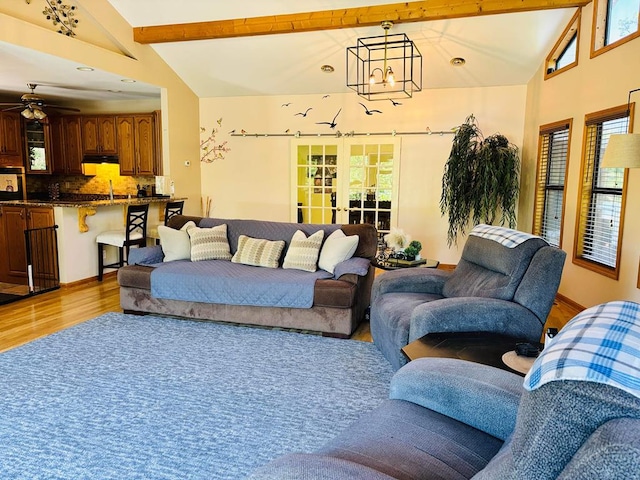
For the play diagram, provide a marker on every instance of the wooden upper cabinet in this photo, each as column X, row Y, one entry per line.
column 11, row 149
column 99, row 135
column 136, row 144
column 66, row 144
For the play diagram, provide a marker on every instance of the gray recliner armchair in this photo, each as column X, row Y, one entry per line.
column 505, row 282
column 577, row 416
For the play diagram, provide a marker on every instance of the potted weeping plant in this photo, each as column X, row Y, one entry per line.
column 480, row 181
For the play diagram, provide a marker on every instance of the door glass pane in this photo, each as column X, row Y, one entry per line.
column 317, row 176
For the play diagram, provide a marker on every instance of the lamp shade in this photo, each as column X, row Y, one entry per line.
column 623, row 151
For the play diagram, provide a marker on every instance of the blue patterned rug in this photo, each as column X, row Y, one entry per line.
column 158, row 398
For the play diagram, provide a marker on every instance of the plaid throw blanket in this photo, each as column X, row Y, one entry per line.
column 601, row 344
column 504, row 236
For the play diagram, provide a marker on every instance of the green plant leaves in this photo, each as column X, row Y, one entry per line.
column 480, row 180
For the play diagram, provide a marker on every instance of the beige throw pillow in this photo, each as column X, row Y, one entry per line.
column 209, row 243
column 258, row 252
column 337, row 248
column 176, row 244
column 303, row 252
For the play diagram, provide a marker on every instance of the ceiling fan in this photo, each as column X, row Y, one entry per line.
column 33, row 105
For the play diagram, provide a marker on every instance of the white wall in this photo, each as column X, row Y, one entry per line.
column 595, row 84
column 253, row 180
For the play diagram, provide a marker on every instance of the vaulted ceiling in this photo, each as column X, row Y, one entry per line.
column 499, row 48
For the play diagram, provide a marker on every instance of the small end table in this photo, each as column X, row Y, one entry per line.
column 481, row 347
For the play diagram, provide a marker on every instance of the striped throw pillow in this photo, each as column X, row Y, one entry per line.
column 303, row 252
column 258, row 252
column 209, row 243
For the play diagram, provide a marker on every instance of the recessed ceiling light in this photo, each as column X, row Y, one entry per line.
column 458, row 61
column 84, row 69
column 327, row 68
column 128, row 80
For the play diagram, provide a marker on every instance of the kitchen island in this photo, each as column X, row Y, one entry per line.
column 79, row 223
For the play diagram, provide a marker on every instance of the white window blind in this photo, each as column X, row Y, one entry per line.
column 552, row 167
column 601, row 195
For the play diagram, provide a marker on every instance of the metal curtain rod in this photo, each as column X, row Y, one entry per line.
column 338, row 134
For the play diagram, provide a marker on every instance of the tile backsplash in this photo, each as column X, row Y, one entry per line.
column 98, row 184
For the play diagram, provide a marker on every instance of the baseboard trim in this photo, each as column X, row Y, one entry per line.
column 568, row 301
column 87, row 280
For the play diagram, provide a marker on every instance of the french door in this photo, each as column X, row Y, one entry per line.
column 346, row 180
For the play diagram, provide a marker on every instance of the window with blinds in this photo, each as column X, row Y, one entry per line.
column 602, row 196
column 553, row 154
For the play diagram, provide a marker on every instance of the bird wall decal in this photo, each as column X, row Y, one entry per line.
column 325, row 96
column 367, row 111
column 395, row 104
column 286, row 104
column 332, row 124
column 304, row 114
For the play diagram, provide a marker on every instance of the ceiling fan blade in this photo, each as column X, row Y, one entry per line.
column 10, row 104
column 58, row 107
column 14, row 107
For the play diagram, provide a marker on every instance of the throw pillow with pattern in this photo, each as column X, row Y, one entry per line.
column 209, row 243
column 258, row 252
column 303, row 252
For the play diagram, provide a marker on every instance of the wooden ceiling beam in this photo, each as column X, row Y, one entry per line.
column 342, row 18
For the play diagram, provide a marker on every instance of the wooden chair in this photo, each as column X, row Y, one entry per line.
column 135, row 233
column 171, row 209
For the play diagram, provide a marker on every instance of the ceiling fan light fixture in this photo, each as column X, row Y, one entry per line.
column 39, row 114
column 27, row 113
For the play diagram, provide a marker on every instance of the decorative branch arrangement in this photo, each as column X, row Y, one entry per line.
column 480, row 181
column 61, row 15
column 212, row 151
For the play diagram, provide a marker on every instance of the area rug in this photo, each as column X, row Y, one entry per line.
column 133, row 397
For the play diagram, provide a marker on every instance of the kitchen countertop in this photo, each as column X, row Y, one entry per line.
column 89, row 203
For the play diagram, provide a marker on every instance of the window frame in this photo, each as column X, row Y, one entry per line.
column 541, row 187
column 572, row 29
column 599, row 30
column 597, row 118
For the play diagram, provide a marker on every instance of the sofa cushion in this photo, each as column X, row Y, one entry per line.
column 258, row 252
column 209, row 243
column 176, row 244
column 337, row 248
column 303, row 251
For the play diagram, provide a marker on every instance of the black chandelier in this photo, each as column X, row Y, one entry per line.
column 384, row 67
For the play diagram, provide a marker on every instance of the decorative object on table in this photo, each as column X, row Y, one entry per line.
column 412, row 252
column 480, row 181
column 211, row 150
column 397, row 239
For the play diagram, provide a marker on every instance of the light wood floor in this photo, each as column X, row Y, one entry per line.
column 41, row 315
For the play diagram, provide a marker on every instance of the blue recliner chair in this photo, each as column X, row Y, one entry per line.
column 505, row 282
column 577, row 416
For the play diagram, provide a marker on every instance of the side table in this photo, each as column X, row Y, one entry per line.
column 481, row 347
column 393, row 265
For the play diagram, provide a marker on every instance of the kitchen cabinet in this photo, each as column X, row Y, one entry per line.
column 99, row 135
column 14, row 221
column 66, row 134
column 11, row 150
column 38, row 149
column 136, row 144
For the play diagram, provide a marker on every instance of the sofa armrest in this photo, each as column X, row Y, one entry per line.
column 145, row 255
column 354, row 265
column 475, row 314
column 483, row 397
column 411, row 280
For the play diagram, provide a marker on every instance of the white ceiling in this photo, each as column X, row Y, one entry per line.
column 499, row 50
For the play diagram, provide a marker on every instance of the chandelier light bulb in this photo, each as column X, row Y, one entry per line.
column 39, row 114
column 27, row 113
column 390, row 78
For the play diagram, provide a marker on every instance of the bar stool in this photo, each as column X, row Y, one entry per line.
column 135, row 233
column 171, row 209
